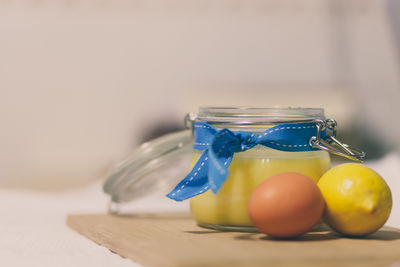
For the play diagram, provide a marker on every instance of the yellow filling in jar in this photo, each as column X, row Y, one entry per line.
column 247, row 170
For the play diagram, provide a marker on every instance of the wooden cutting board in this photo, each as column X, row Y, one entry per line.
column 175, row 240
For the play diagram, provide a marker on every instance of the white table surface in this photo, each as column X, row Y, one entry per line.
column 34, row 232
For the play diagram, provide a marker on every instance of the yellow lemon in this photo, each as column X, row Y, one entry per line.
column 358, row 200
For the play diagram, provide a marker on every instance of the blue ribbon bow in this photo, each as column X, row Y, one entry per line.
column 219, row 146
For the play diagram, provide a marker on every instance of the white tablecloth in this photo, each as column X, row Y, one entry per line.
column 34, row 232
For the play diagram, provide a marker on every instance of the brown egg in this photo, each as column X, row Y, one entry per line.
column 286, row 205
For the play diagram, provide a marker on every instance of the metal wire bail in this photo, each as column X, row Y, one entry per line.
column 331, row 144
column 189, row 120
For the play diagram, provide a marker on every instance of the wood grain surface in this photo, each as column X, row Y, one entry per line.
column 175, row 240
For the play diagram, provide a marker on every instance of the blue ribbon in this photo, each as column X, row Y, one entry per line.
column 219, row 146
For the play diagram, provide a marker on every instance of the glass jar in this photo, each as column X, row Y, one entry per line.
column 227, row 210
column 157, row 166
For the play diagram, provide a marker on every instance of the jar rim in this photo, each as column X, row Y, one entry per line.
column 258, row 115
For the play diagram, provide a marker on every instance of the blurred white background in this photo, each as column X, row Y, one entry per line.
column 83, row 81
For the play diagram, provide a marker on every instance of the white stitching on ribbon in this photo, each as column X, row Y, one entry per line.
column 283, row 128
column 202, row 126
column 191, row 178
column 201, row 144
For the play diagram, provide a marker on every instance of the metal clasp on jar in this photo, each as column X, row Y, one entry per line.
column 189, row 120
column 331, row 144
